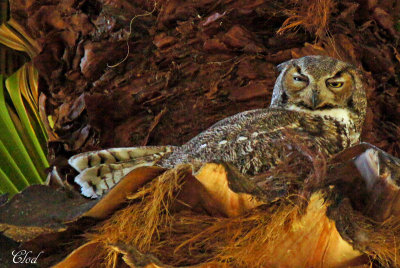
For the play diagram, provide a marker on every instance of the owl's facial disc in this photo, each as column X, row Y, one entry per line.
column 323, row 86
column 313, row 92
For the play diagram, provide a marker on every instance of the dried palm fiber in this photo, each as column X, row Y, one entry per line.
column 367, row 217
column 312, row 15
column 249, row 240
column 259, row 238
column 379, row 240
column 139, row 223
column 298, row 225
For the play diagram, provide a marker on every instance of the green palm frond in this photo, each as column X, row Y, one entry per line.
column 23, row 136
column 16, row 161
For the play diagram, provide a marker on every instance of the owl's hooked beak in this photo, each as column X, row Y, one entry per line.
column 315, row 99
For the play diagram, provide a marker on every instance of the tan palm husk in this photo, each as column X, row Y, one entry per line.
column 187, row 238
column 380, row 241
column 298, row 229
column 190, row 238
column 140, row 222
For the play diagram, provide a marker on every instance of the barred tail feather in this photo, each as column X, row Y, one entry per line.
column 115, row 155
column 101, row 170
column 95, row 182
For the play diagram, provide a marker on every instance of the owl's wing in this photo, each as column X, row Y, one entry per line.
column 101, row 170
column 237, row 118
column 224, row 140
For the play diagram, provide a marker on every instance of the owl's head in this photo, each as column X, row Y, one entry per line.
column 321, row 85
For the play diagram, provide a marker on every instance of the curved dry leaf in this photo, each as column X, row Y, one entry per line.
column 215, row 179
column 117, row 195
column 81, row 257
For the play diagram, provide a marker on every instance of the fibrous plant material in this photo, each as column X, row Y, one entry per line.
column 312, row 219
column 379, row 240
column 139, row 224
column 313, row 16
column 307, row 213
column 268, row 235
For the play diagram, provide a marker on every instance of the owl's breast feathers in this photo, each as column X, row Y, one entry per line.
column 254, row 141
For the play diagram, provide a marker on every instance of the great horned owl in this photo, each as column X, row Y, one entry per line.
column 317, row 98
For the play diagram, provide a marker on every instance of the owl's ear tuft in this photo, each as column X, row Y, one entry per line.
column 355, row 72
column 283, row 65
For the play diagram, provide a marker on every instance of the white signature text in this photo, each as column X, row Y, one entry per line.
column 25, row 256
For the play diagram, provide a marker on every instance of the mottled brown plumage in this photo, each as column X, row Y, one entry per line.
column 318, row 100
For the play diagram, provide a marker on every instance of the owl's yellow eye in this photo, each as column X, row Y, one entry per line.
column 335, row 84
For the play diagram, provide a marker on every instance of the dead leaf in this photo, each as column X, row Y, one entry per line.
column 162, row 40
column 385, row 20
column 81, row 257
column 239, row 37
column 215, row 179
column 153, row 125
column 252, row 90
column 213, row 17
column 117, row 195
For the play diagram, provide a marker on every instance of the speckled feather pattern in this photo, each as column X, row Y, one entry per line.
column 251, row 140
